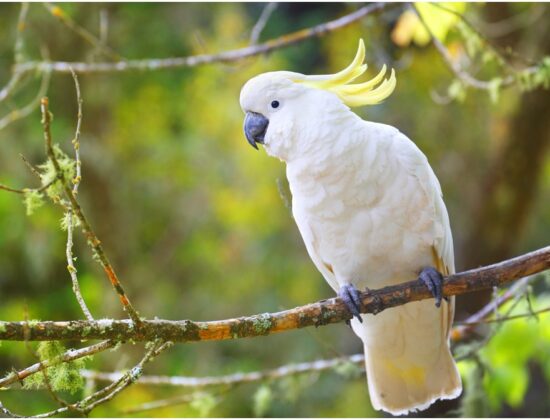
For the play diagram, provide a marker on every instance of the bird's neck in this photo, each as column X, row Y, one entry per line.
column 322, row 163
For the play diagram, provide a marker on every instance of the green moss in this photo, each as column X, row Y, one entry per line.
column 86, row 331
column 69, row 218
column 326, row 316
column 33, row 200
column 62, row 376
column 262, row 324
column 49, row 175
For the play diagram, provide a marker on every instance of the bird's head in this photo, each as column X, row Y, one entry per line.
column 283, row 108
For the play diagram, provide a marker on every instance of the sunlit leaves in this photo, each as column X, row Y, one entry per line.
column 506, row 360
column 530, row 80
column 409, row 28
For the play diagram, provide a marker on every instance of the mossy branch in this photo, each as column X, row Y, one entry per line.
column 70, row 193
column 324, row 312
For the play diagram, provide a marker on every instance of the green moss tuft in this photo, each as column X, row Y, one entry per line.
column 33, row 200
column 62, row 376
column 48, row 174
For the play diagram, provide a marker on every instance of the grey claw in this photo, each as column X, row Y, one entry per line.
column 352, row 298
column 433, row 279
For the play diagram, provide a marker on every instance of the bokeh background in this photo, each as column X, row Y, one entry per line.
column 196, row 222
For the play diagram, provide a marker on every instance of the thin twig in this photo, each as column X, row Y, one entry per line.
column 465, row 327
column 76, row 183
column 10, row 87
column 236, row 378
column 462, row 74
column 321, row 313
column 64, row 18
column 103, row 25
column 46, row 378
column 262, row 21
column 93, row 240
column 196, row 60
column 513, row 23
column 167, row 402
column 19, row 40
column 170, row 402
column 110, row 391
column 68, row 356
column 529, row 314
column 76, row 139
column 30, row 166
column 9, row 413
column 495, row 49
column 26, row 190
column 26, row 110
column 473, row 351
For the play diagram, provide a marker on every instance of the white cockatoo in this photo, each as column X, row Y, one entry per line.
column 370, row 211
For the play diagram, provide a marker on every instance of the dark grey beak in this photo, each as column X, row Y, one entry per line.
column 255, row 126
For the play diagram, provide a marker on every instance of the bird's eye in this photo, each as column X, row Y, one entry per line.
column 275, row 104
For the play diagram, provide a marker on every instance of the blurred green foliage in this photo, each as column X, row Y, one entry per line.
column 515, row 359
column 194, row 220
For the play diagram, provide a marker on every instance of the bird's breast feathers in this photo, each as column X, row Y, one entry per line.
column 372, row 211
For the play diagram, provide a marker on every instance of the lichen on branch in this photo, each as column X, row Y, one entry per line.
column 324, row 312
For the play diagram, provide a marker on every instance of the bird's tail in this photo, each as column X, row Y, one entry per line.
column 410, row 365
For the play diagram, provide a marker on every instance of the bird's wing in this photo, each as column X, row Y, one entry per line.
column 312, row 246
column 442, row 248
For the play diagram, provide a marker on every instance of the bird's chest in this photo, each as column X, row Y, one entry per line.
column 361, row 230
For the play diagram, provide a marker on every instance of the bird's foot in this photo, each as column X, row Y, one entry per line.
column 352, row 298
column 433, row 279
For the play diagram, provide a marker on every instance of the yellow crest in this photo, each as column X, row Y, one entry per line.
column 358, row 94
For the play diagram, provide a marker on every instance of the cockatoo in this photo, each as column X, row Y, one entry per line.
column 370, row 211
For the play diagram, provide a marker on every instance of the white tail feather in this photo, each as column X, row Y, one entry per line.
column 409, row 365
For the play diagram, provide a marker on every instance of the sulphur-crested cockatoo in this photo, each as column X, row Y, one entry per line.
column 370, row 211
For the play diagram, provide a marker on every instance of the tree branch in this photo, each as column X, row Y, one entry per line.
column 461, row 331
column 320, row 313
column 196, row 60
column 26, row 110
column 262, row 21
column 92, row 238
column 235, row 378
